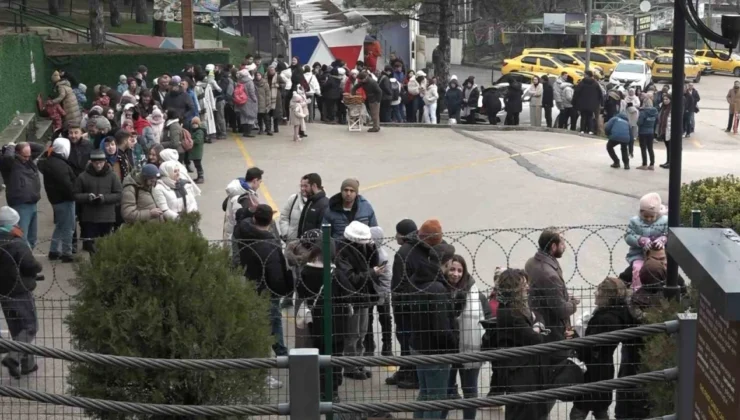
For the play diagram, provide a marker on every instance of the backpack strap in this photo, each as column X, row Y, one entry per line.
column 290, row 215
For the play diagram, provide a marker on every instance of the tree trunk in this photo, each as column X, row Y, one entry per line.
column 54, row 7
column 441, row 59
column 127, row 2
column 97, row 24
column 140, row 8
column 160, row 28
column 115, row 14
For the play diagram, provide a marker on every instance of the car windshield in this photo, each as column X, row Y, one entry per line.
column 614, row 57
column 667, row 59
column 630, row 68
column 556, row 61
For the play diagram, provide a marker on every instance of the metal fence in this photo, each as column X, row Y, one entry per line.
column 593, row 253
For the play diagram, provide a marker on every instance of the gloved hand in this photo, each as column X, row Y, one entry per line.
column 644, row 241
column 660, row 242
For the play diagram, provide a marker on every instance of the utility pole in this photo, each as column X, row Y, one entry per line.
column 589, row 17
column 241, row 17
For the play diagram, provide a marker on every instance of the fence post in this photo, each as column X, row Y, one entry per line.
column 686, row 366
column 303, row 375
column 328, row 333
column 695, row 218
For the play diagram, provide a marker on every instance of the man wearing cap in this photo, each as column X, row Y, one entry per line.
column 98, row 190
column 348, row 206
column 137, row 201
column 20, row 270
column 23, row 184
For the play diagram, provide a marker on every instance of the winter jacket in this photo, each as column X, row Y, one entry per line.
column 18, row 265
column 548, row 95
column 261, row 256
column 105, row 182
column 248, row 112
column 588, row 95
column 413, row 87
column 79, row 155
column 548, row 295
column 513, row 99
column 313, row 212
column 404, row 268
column 647, row 120
column 618, row 129
column 733, row 99
column 172, row 136
column 372, row 90
column 171, row 201
column 492, row 101
column 22, row 181
column 263, row 96
column 332, row 89
column 633, row 114
column 290, row 216
column 313, row 84
column 235, row 189
column 227, row 88
column 362, row 211
column 637, row 229
column 535, row 93
column 355, row 264
column 137, row 200
column 59, row 178
column 297, row 115
column 567, row 95
column 454, row 99
column 196, row 106
column 696, row 98
column 276, row 97
column 67, row 98
column 199, row 139
column 431, row 95
column 469, row 313
column 664, row 124
column 471, row 95
column 385, row 86
column 558, row 91
column 180, row 102
column 612, row 104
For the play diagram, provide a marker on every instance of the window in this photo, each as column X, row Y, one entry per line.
column 724, row 56
column 599, row 58
column 630, row 68
column 664, row 59
column 689, row 60
column 547, row 63
column 699, row 54
column 529, row 60
column 566, row 59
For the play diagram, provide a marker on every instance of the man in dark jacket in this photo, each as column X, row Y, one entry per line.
column 547, row 292
column 79, row 151
column 374, row 96
column 331, row 92
column 513, row 103
column 316, row 205
column 260, row 254
column 159, row 92
column 20, row 270
column 23, row 184
column 548, row 99
column 59, row 179
column 454, row 100
column 348, row 206
column 178, row 100
column 98, row 190
column 385, row 86
column 588, row 98
column 492, row 103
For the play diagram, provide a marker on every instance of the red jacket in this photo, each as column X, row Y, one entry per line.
column 140, row 125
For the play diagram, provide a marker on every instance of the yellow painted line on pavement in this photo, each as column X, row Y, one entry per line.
column 471, row 164
column 250, row 163
column 696, row 143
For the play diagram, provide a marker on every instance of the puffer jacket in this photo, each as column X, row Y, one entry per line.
column 431, row 95
column 469, row 314
column 172, row 136
column 171, row 205
column 234, row 190
column 618, row 129
column 22, row 181
column 647, row 120
column 290, row 216
column 362, row 211
column 566, row 99
column 137, row 200
column 637, row 229
column 67, row 98
column 59, row 178
column 18, row 265
column 105, row 182
column 263, row 96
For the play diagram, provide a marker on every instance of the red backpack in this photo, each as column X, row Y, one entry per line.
column 240, row 94
column 187, row 141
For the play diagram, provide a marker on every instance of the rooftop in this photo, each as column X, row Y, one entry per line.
column 313, row 15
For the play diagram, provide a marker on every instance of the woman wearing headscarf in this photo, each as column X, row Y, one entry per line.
column 296, row 75
column 248, row 111
column 172, row 194
column 156, row 120
column 170, row 155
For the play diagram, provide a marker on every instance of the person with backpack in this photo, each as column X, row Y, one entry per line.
column 385, row 102
column 245, row 102
column 137, row 200
column 177, row 138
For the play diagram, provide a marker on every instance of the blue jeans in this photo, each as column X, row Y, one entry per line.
column 64, row 227
column 28, row 221
column 469, row 382
column 397, row 112
column 432, row 386
column 276, row 328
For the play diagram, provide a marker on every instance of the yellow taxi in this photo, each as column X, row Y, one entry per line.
column 664, row 50
column 662, row 68
column 623, row 52
column 540, row 63
column 721, row 61
column 602, row 59
column 649, row 55
column 568, row 58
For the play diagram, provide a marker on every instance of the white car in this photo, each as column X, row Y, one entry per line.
column 636, row 72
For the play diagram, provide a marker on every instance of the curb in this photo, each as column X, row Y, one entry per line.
column 484, row 127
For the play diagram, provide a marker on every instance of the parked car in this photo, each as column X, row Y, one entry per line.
column 540, row 63
column 605, row 60
column 663, row 68
column 721, row 61
column 636, row 72
column 568, row 58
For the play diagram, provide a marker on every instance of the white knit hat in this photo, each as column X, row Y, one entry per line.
column 421, row 74
column 651, row 202
column 10, row 217
column 358, row 233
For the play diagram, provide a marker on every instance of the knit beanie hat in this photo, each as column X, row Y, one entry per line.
column 651, row 202
column 406, row 227
column 82, row 87
column 8, row 216
column 431, row 232
column 150, row 171
column 102, row 124
column 122, row 78
column 358, row 233
column 351, row 183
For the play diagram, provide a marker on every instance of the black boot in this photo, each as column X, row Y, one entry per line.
column 275, row 126
column 248, row 131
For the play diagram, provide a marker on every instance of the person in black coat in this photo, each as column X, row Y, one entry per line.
column 454, row 100
column 519, row 326
column 316, row 205
column 178, row 101
column 689, row 105
column 59, row 180
column 19, row 270
column 492, row 104
column 332, row 94
column 611, row 314
column 548, row 99
column 513, row 103
column 384, row 81
column 588, row 98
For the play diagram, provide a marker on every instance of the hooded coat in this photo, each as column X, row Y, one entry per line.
column 59, row 178
column 178, row 101
column 454, row 98
column 137, row 200
column 261, row 256
column 647, row 120
column 513, row 99
column 618, row 129
column 235, row 189
column 18, row 265
column 263, row 95
column 297, row 114
column 67, row 98
column 248, row 111
column 588, row 95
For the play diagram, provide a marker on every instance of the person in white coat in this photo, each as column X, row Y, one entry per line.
column 168, row 155
column 314, row 90
column 291, row 213
column 535, row 92
column 173, row 195
column 430, row 95
column 469, row 303
column 240, row 193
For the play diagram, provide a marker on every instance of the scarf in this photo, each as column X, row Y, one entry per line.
column 13, row 230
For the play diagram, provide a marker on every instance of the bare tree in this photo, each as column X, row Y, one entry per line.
column 141, row 14
column 54, row 7
column 97, row 24
column 115, row 13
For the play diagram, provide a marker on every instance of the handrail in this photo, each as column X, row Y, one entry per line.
column 29, row 9
column 46, row 22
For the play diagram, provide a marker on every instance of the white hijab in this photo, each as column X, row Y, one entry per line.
column 171, row 155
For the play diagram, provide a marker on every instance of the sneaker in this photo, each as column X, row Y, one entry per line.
column 53, row 256
column 642, row 168
column 68, row 259
column 651, row 168
column 615, row 165
column 357, row 375
column 13, row 367
column 273, row 383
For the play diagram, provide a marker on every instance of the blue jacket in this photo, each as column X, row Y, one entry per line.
column 647, row 120
column 362, row 211
column 196, row 111
column 637, row 229
column 618, row 129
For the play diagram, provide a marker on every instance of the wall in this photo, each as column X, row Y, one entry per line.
column 260, row 27
column 104, row 67
column 21, row 79
column 456, row 49
column 393, row 37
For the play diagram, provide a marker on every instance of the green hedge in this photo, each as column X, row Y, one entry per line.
column 18, row 91
column 104, row 67
column 718, row 199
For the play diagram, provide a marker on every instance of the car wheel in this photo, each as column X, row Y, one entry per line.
column 698, row 78
column 736, row 72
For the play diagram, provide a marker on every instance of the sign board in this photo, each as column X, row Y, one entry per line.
column 564, row 23
column 717, row 386
column 643, row 24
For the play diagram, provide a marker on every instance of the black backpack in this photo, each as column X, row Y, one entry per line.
column 395, row 90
